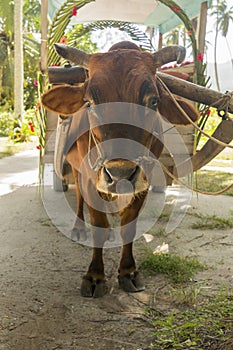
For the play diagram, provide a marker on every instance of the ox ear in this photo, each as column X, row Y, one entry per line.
column 64, row 99
column 171, row 112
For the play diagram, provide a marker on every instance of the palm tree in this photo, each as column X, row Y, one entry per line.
column 215, row 12
column 224, row 18
column 18, row 59
column 6, row 47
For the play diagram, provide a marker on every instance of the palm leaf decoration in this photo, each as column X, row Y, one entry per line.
column 63, row 17
column 132, row 30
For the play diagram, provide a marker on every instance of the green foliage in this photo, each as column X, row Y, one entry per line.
column 178, row 270
column 206, row 326
column 6, row 17
column 6, row 123
column 80, row 37
column 31, row 11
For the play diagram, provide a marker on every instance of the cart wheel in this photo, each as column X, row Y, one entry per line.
column 58, row 184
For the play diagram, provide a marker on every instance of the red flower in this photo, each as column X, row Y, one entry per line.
column 208, row 112
column 74, row 11
column 200, row 57
column 37, row 106
column 175, row 8
column 63, row 40
column 31, row 127
column 189, row 32
column 38, row 147
column 35, row 82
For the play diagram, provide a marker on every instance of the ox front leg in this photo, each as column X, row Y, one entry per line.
column 93, row 283
column 129, row 278
column 79, row 232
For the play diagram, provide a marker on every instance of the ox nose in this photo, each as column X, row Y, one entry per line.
column 121, row 179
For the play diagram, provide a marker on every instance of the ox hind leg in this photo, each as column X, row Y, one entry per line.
column 129, row 278
column 93, row 283
column 79, row 232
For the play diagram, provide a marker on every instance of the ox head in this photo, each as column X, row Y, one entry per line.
column 125, row 74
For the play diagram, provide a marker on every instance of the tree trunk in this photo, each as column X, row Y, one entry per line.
column 229, row 50
column 215, row 53
column 18, row 59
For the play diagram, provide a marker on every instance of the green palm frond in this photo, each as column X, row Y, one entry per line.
column 7, row 19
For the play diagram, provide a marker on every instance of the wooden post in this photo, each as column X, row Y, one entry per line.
column 201, row 30
column 160, row 43
column 44, row 35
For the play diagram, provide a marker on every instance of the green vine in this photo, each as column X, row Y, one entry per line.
column 59, row 25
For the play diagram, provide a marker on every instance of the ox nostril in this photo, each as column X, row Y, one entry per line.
column 134, row 174
column 107, row 176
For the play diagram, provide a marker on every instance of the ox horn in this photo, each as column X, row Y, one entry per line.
column 72, row 54
column 169, row 54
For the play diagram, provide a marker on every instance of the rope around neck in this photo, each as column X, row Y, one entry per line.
column 100, row 158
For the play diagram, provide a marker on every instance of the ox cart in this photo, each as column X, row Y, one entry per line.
column 57, row 127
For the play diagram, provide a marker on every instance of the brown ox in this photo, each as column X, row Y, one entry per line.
column 124, row 74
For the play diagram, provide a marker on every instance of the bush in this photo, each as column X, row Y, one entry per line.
column 6, row 123
column 17, row 130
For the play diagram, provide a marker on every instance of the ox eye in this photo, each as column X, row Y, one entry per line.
column 152, row 102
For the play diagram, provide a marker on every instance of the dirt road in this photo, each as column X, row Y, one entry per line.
column 41, row 270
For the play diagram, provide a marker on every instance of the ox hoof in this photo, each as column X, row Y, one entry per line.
column 131, row 283
column 111, row 236
column 78, row 235
column 93, row 288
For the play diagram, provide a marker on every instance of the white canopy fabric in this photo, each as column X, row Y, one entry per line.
column 148, row 12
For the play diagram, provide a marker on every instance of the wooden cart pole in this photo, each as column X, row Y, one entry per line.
column 194, row 92
column 201, row 30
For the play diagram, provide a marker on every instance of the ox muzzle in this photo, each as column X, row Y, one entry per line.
column 120, row 176
column 120, row 139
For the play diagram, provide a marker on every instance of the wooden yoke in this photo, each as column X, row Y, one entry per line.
column 193, row 92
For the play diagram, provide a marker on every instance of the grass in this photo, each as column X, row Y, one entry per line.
column 204, row 326
column 6, row 154
column 177, row 269
column 208, row 222
column 213, row 181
